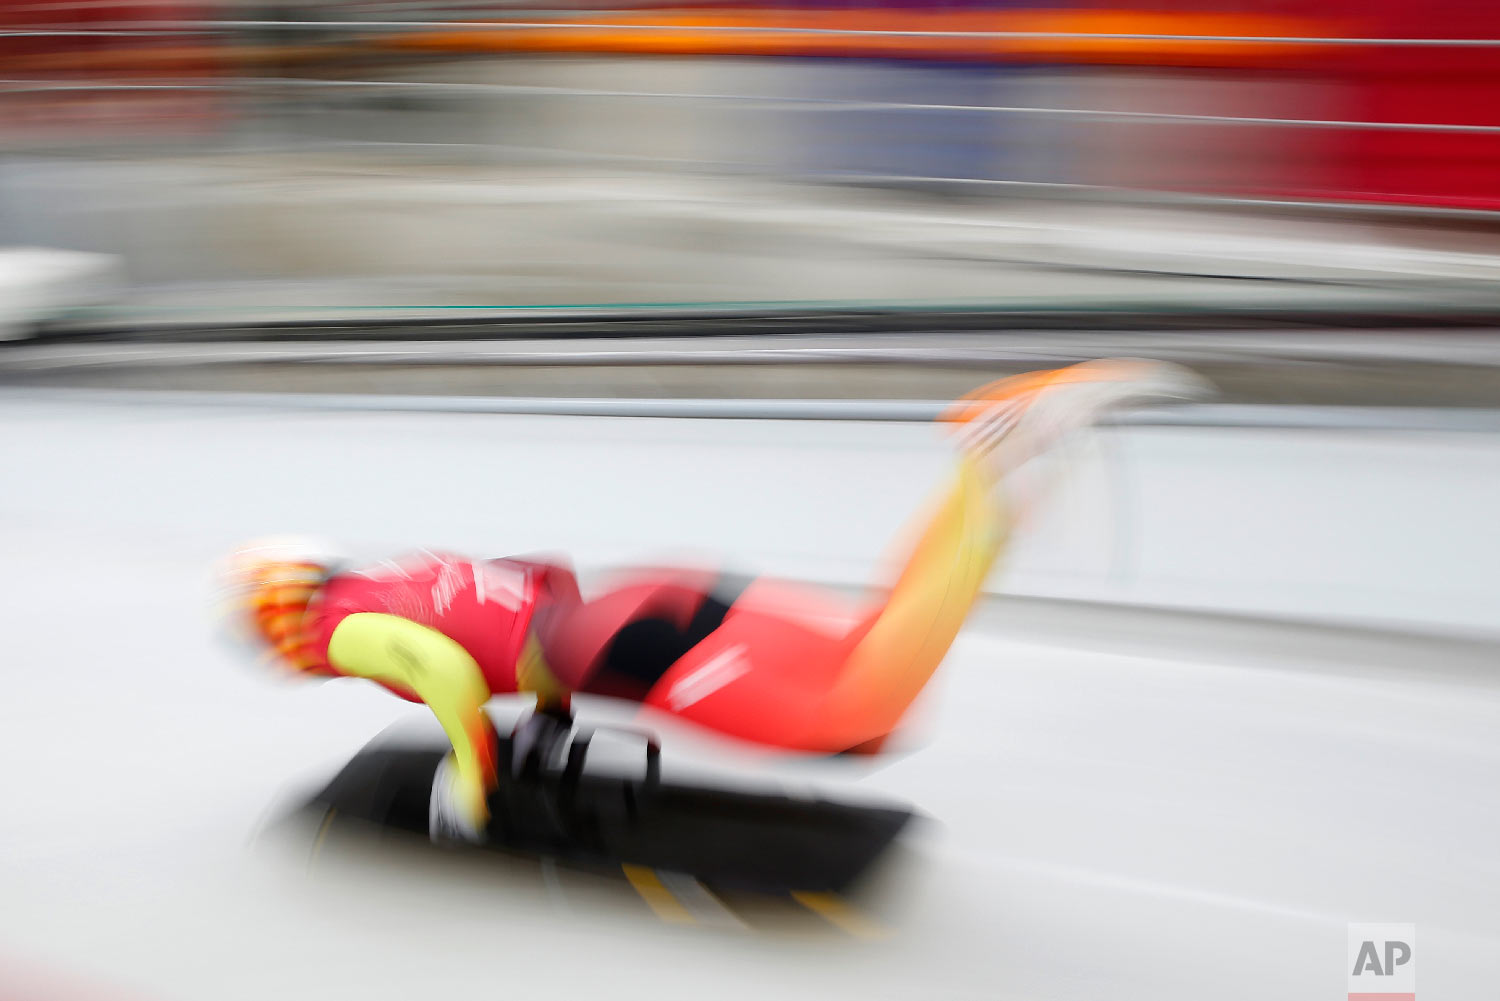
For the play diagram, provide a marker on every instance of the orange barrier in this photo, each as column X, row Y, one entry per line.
column 632, row 34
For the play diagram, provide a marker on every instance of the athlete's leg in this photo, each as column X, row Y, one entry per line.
column 782, row 670
column 798, row 667
column 906, row 638
column 1002, row 428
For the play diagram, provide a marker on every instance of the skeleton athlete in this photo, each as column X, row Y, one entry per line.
column 766, row 661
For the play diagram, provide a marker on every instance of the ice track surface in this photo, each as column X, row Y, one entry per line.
column 1158, row 823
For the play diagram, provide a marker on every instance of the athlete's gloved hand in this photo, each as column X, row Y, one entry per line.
column 457, row 810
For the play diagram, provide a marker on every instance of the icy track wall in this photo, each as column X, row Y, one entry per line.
column 1387, row 529
column 1372, row 528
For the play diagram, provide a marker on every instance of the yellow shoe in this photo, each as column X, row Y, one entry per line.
column 1013, row 420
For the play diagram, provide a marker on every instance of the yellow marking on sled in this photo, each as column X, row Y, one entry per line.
column 656, row 895
column 839, row 913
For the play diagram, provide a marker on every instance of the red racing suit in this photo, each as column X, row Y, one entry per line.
column 486, row 606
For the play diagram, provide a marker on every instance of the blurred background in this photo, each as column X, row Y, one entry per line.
column 240, row 160
column 642, row 279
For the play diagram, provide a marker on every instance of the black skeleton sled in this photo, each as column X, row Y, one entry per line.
column 549, row 806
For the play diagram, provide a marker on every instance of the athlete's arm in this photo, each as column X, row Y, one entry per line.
column 441, row 674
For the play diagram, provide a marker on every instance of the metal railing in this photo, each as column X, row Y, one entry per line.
column 1206, row 415
column 762, row 102
column 166, row 28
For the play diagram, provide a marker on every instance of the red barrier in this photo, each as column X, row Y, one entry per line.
column 115, row 58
